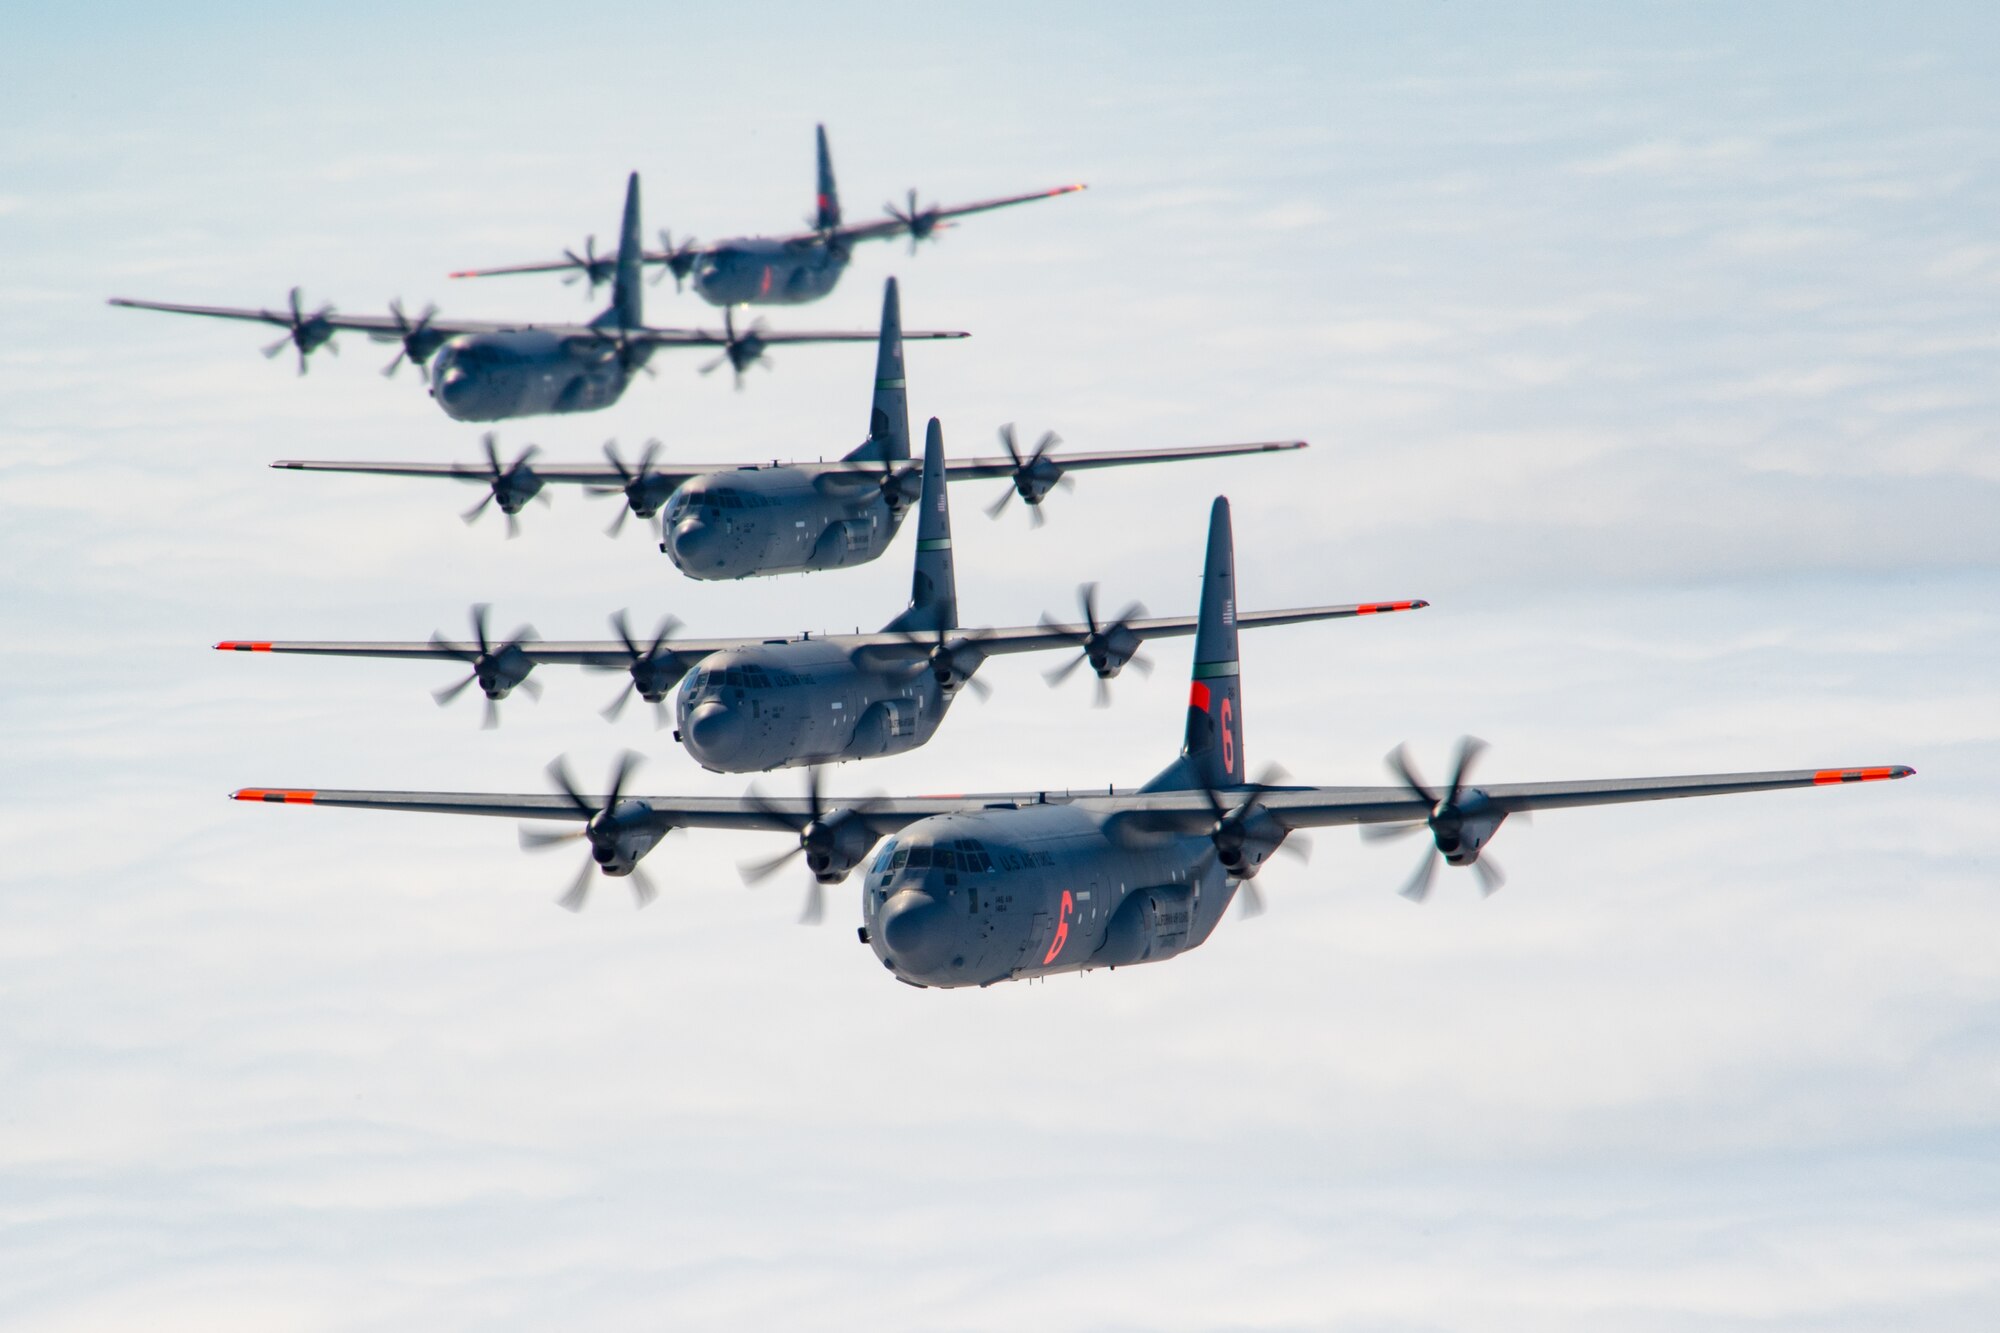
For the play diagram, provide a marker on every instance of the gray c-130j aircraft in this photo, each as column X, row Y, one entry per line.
column 732, row 521
column 775, row 270
column 748, row 705
column 969, row 890
column 486, row 370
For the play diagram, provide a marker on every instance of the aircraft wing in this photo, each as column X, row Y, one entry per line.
column 387, row 328
column 1000, row 465
column 380, row 327
column 1052, row 634
column 778, row 814
column 579, row 474
column 899, row 226
column 1322, row 807
column 723, row 337
column 1171, row 811
column 607, row 653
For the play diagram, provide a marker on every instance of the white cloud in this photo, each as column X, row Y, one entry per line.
column 1690, row 447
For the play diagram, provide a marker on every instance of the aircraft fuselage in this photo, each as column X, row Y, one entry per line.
column 761, row 272
column 1005, row 894
column 775, row 520
column 526, row 373
column 803, row 701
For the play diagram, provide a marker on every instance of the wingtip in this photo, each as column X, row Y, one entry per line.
column 1829, row 777
column 465, row 273
column 1383, row 608
column 243, row 646
column 273, row 796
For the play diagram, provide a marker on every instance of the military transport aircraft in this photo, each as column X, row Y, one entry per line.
column 773, row 270
column 728, row 521
column 482, row 370
column 975, row 889
column 751, row 704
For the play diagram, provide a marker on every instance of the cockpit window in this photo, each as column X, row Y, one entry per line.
column 965, row 855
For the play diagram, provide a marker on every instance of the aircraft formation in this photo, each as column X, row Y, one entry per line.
column 955, row 891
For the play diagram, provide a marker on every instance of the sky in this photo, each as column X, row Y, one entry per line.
column 1655, row 346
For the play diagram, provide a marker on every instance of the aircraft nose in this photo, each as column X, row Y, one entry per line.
column 713, row 733
column 691, row 538
column 916, row 931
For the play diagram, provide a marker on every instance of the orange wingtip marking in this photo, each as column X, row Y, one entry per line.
column 469, row 273
column 274, row 797
column 242, row 646
column 1377, row 608
column 1827, row 777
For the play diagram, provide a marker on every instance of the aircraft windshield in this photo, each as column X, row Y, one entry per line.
column 749, row 677
column 962, row 855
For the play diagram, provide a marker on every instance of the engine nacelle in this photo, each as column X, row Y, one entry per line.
column 655, row 678
column 835, row 843
column 1151, row 924
column 1109, row 652
column 1463, row 838
column 621, row 837
column 1244, row 845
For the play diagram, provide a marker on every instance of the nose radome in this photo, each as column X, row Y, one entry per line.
column 714, row 733
column 689, row 538
column 916, row 930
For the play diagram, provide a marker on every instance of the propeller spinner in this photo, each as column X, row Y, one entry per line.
column 1107, row 647
column 619, row 833
column 306, row 332
column 833, row 842
column 1461, row 821
column 496, row 669
column 1034, row 475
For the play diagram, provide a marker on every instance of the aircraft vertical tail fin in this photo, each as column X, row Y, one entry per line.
column 826, row 215
column 627, row 308
column 889, row 416
column 1212, row 752
column 933, row 589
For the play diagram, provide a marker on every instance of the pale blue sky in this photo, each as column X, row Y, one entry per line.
column 1656, row 348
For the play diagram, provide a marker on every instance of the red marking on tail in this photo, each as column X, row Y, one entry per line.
column 274, row 797
column 1198, row 697
column 1831, row 776
column 241, row 646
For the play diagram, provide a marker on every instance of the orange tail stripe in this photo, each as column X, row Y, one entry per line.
column 1198, row 697
column 273, row 796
